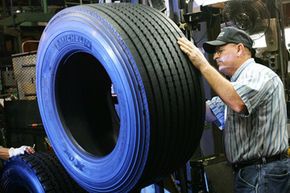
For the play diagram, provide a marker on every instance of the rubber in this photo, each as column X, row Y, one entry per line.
column 152, row 124
column 36, row 173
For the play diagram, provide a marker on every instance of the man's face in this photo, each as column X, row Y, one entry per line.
column 225, row 57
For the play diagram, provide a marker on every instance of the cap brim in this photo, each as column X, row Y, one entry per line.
column 210, row 46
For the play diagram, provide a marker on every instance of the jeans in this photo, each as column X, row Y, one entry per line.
column 273, row 177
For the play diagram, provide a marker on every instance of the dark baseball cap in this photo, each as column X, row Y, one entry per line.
column 229, row 35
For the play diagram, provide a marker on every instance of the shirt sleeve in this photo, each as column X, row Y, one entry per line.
column 217, row 107
column 253, row 91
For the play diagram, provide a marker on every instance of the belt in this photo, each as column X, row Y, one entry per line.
column 262, row 160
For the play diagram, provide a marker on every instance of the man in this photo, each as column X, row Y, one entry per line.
column 6, row 153
column 251, row 109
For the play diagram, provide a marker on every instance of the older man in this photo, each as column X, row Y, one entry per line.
column 251, row 109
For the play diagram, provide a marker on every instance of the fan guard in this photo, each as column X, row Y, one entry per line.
column 249, row 15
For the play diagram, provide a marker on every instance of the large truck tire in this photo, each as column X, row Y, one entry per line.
column 121, row 104
column 36, row 173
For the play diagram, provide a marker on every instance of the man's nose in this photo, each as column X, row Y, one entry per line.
column 215, row 55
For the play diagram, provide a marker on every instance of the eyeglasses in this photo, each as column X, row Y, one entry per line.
column 219, row 51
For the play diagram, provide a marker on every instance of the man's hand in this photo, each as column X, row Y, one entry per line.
column 21, row 150
column 194, row 54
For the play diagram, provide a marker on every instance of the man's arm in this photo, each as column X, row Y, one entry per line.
column 6, row 153
column 218, row 83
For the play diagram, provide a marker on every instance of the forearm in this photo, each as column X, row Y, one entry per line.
column 4, row 153
column 222, row 87
column 219, row 84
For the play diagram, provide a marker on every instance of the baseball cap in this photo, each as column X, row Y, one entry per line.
column 229, row 35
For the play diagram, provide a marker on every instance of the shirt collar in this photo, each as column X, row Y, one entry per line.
column 241, row 68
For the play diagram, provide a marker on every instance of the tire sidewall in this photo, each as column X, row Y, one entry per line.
column 93, row 35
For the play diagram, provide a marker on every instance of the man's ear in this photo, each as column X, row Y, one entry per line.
column 240, row 49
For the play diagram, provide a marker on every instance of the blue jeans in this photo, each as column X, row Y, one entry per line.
column 273, row 177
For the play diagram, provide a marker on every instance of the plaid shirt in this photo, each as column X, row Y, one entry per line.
column 263, row 131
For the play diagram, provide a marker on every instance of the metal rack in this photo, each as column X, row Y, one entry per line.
column 21, row 123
